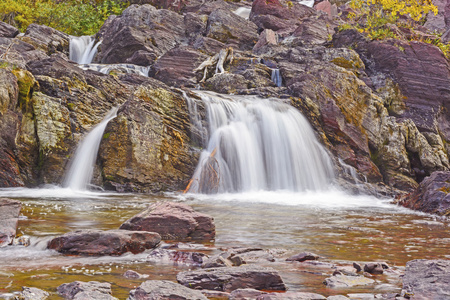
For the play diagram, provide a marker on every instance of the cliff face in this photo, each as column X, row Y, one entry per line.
column 380, row 107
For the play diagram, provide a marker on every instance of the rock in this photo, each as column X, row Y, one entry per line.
column 216, row 295
column 224, row 259
column 303, row 257
column 173, row 221
column 9, row 218
column 32, row 293
column 232, row 30
column 110, row 242
column 373, row 268
column 337, row 297
column 92, row 290
column 439, row 23
column 227, row 83
column 357, row 266
column 328, row 8
column 341, row 281
column 162, row 289
column 432, row 195
column 7, row 30
column 130, row 274
column 23, row 240
column 267, row 37
column 231, row 278
column 291, row 296
column 427, row 279
column 313, row 31
column 47, row 39
column 141, row 31
column 177, row 257
column 175, row 67
column 245, row 294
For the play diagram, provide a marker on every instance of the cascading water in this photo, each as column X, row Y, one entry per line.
column 83, row 49
column 125, row 68
column 276, row 77
column 259, row 144
column 82, row 166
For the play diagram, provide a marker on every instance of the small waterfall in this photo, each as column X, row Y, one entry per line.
column 82, row 49
column 276, row 77
column 124, row 68
column 82, row 165
column 243, row 12
column 259, row 144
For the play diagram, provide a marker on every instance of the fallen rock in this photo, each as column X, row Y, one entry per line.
column 110, row 242
column 9, row 218
column 227, row 83
column 231, row 278
column 177, row 257
column 32, row 293
column 432, row 195
column 291, row 296
column 427, row 279
column 134, row 275
column 173, row 221
column 303, row 257
column 92, row 290
column 7, row 30
column 340, row 281
column 162, row 289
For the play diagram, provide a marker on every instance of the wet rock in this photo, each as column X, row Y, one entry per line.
column 176, row 67
column 341, row 281
column 232, row 30
column 23, row 240
column 373, row 268
column 47, row 39
column 357, row 266
column 291, row 296
column 92, row 290
column 173, row 221
column 7, row 30
column 245, row 294
column 224, row 259
column 427, row 279
column 232, row 278
column 130, row 274
column 227, row 83
column 110, row 242
column 9, row 218
column 432, row 195
column 303, row 257
column 162, row 289
column 143, row 29
column 177, row 257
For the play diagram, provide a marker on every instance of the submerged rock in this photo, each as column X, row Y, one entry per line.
column 173, row 221
column 231, row 278
column 110, row 242
column 163, row 289
column 427, row 279
column 9, row 218
column 92, row 290
column 432, row 195
column 134, row 275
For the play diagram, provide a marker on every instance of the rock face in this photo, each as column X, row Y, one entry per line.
column 232, row 278
column 173, row 221
column 162, row 289
column 432, row 195
column 9, row 217
column 111, row 242
column 7, row 30
column 92, row 290
column 427, row 279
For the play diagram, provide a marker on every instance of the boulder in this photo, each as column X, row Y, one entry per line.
column 375, row 268
column 9, row 218
column 19, row 53
column 303, row 257
column 427, row 279
column 173, row 221
column 110, row 242
column 47, row 39
column 432, row 196
column 163, row 289
column 231, row 278
column 440, row 22
column 232, row 30
column 343, row 281
column 92, row 290
column 176, row 257
column 7, row 30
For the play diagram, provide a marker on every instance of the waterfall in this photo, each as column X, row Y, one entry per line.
column 82, row 165
column 124, row 68
column 82, row 49
column 243, row 12
column 276, row 77
column 259, row 144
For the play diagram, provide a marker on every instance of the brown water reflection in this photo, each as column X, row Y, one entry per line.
column 339, row 228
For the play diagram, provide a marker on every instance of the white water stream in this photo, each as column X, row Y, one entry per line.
column 276, row 77
column 82, row 166
column 83, row 49
column 259, row 144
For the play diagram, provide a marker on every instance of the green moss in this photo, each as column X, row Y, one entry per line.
column 71, row 106
column 345, row 63
column 26, row 83
column 106, row 135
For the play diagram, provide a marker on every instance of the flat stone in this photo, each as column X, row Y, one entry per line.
column 427, row 279
column 162, row 289
column 173, row 221
column 110, row 242
column 244, row 294
column 9, row 218
column 340, row 281
column 303, row 257
column 228, row 279
column 92, row 290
